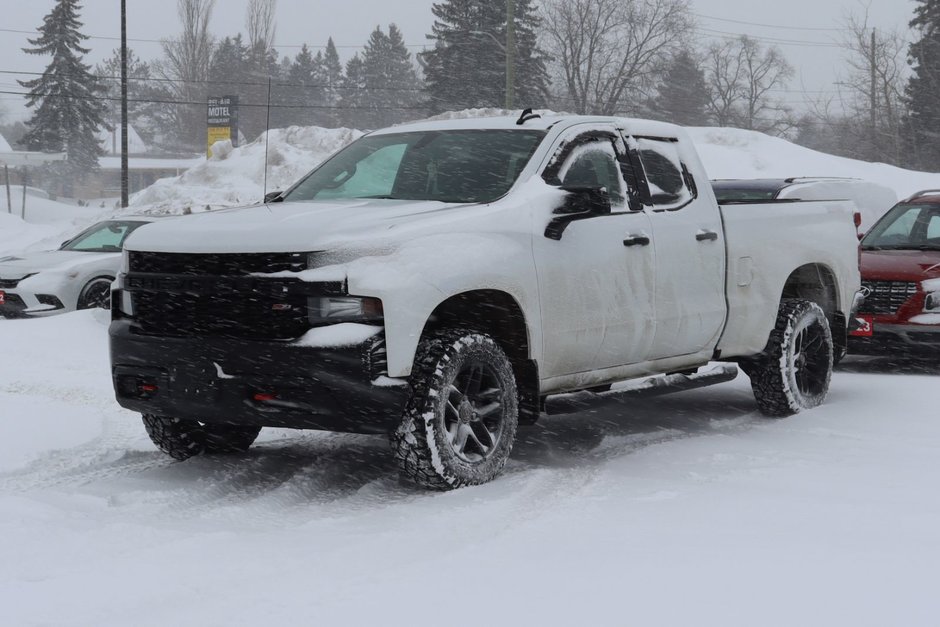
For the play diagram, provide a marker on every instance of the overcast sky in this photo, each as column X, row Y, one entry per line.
column 804, row 29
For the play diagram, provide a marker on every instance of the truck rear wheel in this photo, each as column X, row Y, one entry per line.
column 794, row 371
column 460, row 422
column 182, row 439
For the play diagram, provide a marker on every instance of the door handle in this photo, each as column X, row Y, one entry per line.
column 706, row 236
column 637, row 240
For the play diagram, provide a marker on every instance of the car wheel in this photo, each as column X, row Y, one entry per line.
column 182, row 439
column 96, row 294
column 460, row 422
column 794, row 370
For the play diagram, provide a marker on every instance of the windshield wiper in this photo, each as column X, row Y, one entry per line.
column 381, row 197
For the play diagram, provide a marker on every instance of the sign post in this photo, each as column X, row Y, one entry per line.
column 222, row 119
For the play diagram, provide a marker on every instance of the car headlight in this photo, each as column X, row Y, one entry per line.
column 125, row 262
column 932, row 302
column 325, row 309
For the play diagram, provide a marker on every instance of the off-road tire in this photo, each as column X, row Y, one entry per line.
column 794, row 370
column 425, row 447
column 91, row 297
column 182, row 439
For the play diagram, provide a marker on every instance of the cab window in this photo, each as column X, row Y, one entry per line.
column 668, row 179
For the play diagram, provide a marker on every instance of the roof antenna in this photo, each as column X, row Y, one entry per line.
column 526, row 116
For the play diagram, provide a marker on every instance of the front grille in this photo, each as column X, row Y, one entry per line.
column 225, row 264
column 886, row 297
column 250, row 315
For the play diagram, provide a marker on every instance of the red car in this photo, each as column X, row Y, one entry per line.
column 900, row 264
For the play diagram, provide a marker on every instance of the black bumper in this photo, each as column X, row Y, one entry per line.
column 250, row 382
column 898, row 340
column 13, row 307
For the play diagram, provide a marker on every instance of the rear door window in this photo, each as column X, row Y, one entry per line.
column 667, row 177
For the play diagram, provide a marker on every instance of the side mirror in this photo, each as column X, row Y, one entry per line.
column 272, row 197
column 581, row 203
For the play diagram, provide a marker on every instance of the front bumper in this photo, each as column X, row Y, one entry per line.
column 897, row 340
column 20, row 303
column 250, row 382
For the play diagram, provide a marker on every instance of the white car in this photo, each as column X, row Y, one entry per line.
column 76, row 276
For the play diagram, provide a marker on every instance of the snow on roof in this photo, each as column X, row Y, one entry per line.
column 548, row 120
column 4, row 145
column 110, row 141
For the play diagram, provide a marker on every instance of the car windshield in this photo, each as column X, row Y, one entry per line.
column 458, row 166
column 104, row 237
column 906, row 227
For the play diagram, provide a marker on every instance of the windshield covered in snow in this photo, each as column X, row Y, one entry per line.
column 906, row 227
column 104, row 237
column 459, row 166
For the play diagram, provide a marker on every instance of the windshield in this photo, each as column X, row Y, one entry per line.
column 104, row 237
column 449, row 166
column 906, row 227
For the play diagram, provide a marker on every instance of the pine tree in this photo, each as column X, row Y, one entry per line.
column 390, row 84
column 352, row 90
column 467, row 66
column 531, row 84
column 67, row 98
column 304, row 91
column 682, row 95
column 923, row 91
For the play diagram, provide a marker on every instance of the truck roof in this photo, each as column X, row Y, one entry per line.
column 635, row 126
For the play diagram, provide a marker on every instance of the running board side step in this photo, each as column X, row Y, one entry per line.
column 640, row 388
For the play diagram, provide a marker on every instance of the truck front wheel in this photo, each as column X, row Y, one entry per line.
column 794, row 371
column 182, row 439
column 460, row 422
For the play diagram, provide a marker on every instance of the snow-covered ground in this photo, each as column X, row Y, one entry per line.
column 682, row 510
column 690, row 509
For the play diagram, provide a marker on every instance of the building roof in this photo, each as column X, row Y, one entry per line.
column 4, row 145
column 110, row 141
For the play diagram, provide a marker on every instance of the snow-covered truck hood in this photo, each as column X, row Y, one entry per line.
column 295, row 227
column 19, row 265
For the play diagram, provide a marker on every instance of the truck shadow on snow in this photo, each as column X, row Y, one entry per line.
column 309, row 467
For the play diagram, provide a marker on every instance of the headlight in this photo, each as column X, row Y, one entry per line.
column 321, row 309
column 932, row 302
column 125, row 262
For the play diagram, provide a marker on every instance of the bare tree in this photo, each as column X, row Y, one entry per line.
column 609, row 51
column 873, row 88
column 186, row 64
column 744, row 76
column 261, row 27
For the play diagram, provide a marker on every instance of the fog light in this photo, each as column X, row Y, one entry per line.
column 932, row 302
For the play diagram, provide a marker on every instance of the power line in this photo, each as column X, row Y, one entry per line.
column 161, row 41
column 805, row 43
column 202, row 103
column 223, row 82
column 778, row 26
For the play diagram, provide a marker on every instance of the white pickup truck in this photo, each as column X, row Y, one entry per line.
column 444, row 282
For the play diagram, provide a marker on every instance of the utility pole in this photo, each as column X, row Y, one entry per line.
column 510, row 51
column 6, row 171
column 125, row 192
column 873, row 122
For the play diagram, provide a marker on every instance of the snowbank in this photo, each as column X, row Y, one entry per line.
column 730, row 153
column 236, row 176
column 48, row 223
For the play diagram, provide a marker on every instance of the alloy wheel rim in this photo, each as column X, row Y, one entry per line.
column 810, row 359
column 474, row 413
